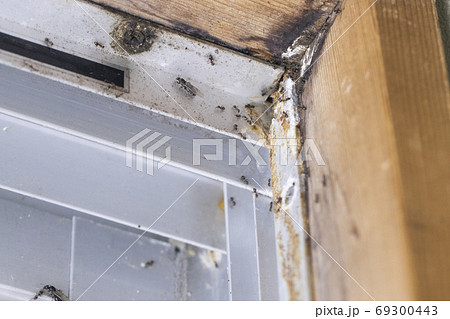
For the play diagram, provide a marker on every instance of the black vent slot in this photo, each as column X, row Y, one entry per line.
column 63, row 60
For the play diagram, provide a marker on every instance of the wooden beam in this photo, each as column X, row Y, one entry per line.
column 378, row 107
column 262, row 28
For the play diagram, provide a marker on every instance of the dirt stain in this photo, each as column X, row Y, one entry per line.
column 134, row 36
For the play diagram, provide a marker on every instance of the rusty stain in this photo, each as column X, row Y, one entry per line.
column 286, row 182
column 258, row 118
column 222, row 205
column 290, row 265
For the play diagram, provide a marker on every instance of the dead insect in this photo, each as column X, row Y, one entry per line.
column 149, row 263
column 98, row 44
column 270, row 206
column 250, row 106
column 220, row 107
column 235, row 127
column 242, row 135
column 279, row 199
column 186, row 86
column 238, row 115
column 232, row 201
column 244, row 180
column 268, row 182
column 48, row 42
column 211, row 59
column 255, row 192
column 50, row 291
column 238, row 111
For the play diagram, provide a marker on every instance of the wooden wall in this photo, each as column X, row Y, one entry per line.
column 378, row 107
column 260, row 28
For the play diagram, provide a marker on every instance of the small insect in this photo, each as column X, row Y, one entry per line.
column 48, row 42
column 220, row 107
column 177, row 250
column 250, row 106
column 285, row 114
column 244, row 180
column 149, row 263
column 279, row 199
column 270, row 206
column 139, row 226
column 242, row 135
column 232, row 201
column 50, row 291
column 235, row 127
column 269, row 182
column 255, row 192
column 238, row 115
column 211, row 59
column 98, row 44
column 238, row 111
column 247, row 120
column 187, row 86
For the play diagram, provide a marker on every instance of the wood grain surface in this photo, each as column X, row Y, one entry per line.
column 261, row 28
column 378, row 107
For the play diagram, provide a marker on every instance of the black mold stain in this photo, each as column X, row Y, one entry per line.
column 133, row 36
column 285, row 35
